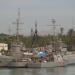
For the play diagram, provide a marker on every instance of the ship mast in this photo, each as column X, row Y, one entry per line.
column 17, row 28
column 18, row 19
column 54, row 27
column 36, row 28
column 35, row 36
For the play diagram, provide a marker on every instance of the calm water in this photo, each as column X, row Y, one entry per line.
column 70, row 70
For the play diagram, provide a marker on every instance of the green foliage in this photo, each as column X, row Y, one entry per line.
column 68, row 39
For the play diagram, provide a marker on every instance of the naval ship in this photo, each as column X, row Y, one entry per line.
column 27, row 59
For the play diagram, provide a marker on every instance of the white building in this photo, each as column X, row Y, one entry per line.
column 3, row 46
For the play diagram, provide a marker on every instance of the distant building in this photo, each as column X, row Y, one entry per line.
column 3, row 46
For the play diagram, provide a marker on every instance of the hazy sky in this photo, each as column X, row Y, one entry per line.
column 63, row 11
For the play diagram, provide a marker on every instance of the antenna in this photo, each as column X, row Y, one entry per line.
column 18, row 23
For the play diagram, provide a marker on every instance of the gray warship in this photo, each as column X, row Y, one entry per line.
column 24, row 58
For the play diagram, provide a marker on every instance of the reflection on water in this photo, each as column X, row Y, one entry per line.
column 70, row 70
column 39, row 71
column 4, row 72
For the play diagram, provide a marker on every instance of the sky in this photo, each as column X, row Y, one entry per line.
column 42, row 11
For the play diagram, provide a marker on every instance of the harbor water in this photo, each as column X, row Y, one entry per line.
column 68, row 70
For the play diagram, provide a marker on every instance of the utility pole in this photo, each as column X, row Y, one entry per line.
column 18, row 23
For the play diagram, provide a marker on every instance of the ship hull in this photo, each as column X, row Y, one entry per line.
column 5, row 60
column 17, row 64
column 46, row 65
column 70, row 59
